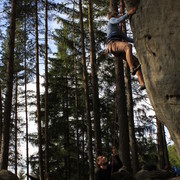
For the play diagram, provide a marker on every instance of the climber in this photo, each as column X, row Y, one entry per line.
column 117, row 43
column 104, row 170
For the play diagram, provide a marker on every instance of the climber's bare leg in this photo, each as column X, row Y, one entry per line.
column 135, row 63
column 139, row 72
column 140, row 77
column 124, row 47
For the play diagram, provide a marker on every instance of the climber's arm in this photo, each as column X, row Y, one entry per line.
column 114, row 20
column 117, row 20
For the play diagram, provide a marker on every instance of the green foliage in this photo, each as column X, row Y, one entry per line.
column 173, row 156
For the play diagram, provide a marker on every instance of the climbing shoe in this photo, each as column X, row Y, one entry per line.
column 135, row 69
column 142, row 87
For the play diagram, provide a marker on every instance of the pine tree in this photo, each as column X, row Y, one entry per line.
column 121, row 106
column 1, row 118
column 8, row 99
column 87, row 100
column 38, row 95
column 97, row 127
column 76, row 104
column 133, row 144
column 46, row 95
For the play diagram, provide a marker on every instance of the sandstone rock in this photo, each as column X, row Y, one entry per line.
column 156, row 27
column 7, row 175
column 155, row 174
column 176, row 178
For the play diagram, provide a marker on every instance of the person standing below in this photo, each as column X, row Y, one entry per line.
column 118, row 43
column 106, row 170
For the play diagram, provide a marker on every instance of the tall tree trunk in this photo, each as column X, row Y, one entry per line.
column 76, row 95
column 166, row 155
column 122, row 114
column 8, row 98
column 1, row 119
column 86, row 91
column 114, row 5
column 38, row 95
column 161, row 160
column 163, row 157
column 121, row 106
column 133, row 144
column 16, row 120
column 97, row 128
column 46, row 95
column 26, row 104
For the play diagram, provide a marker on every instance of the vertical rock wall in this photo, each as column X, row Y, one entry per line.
column 156, row 31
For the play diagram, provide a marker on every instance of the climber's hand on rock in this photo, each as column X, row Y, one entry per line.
column 132, row 11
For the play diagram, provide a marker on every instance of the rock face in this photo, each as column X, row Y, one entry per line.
column 7, row 175
column 155, row 174
column 156, row 28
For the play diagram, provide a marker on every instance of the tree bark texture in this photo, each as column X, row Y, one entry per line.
column 161, row 159
column 97, row 127
column 122, row 114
